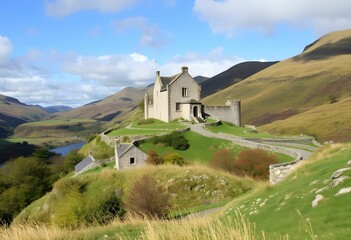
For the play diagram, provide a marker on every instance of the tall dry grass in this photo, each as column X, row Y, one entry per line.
column 198, row 229
column 36, row 232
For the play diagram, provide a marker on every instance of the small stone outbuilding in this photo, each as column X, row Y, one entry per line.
column 128, row 155
column 86, row 164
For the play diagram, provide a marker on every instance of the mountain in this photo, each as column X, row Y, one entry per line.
column 200, row 79
column 114, row 108
column 231, row 76
column 319, row 76
column 54, row 109
column 13, row 113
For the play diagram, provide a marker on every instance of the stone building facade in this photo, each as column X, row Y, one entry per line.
column 178, row 96
column 128, row 156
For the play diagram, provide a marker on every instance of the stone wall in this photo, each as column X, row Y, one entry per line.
column 229, row 113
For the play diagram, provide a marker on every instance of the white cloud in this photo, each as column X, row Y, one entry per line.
column 5, row 49
column 54, row 78
column 59, row 8
column 229, row 16
column 207, row 65
column 150, row 35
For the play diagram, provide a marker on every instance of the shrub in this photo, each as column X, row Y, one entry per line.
column 147, row 199
column 174, row 139
column 251, row 162
column 154, row 159
column 254, row 163
column 223, row 159
column 174, row 158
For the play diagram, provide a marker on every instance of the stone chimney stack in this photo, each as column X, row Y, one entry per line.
column 157, row 73
column 117, row 143
column 184, row 69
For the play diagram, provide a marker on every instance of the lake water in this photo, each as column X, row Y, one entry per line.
column 64, row 150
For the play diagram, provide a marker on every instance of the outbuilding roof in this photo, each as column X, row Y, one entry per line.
column 84, row 163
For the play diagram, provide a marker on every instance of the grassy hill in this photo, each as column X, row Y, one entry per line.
column 232, row 76
column 287, row 207
column 114, row 108
column 14, row 113
column 317, row 76
column 71, row 198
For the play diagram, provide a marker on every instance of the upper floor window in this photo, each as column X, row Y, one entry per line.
column 184, row 92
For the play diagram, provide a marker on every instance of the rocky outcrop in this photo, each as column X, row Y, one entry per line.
column 316, row 200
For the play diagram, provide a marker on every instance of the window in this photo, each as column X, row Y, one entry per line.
column 178, row 104
column 132, row 160
column 184, row 92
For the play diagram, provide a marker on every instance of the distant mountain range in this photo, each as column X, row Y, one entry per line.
column 54, row 109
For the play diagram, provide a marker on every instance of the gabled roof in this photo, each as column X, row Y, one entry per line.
column 84, row 163
column 123, row 148
column 168, row 80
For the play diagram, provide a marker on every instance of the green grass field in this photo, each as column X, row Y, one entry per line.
column 201, row 148
column 238, row 131
column 148, row 127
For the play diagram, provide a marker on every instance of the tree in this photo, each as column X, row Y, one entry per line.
column 147, row 199
column 72, row 159
column 22, row 181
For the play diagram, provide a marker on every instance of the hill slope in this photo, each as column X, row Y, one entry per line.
column 314, row 77
column 114, row 108
column 231, row 76
column 14, row 113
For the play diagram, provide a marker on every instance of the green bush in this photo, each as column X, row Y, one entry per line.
column 174, row 139
column 176, row 159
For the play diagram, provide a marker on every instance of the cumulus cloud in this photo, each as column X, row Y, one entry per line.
column 229, row 16
column 60, row 8
column 5, row 49
column 150, row 34
column 52, row 78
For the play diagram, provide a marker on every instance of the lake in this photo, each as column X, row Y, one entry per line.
column 64, row 150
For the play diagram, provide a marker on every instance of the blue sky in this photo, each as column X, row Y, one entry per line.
column 72, row 52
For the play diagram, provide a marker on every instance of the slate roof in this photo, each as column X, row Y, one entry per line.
column 191, row 101
column 84, row 163
column 167, row 80
column 123, row 148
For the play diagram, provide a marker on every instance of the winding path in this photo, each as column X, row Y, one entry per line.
column 199, row 128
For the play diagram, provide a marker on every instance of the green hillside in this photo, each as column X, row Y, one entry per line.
column 286, row 209
column 72, row 199
column 315, row 77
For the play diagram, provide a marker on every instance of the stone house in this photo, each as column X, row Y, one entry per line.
column 128, row 155
column 178, row 96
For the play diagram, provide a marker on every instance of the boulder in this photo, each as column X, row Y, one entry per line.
column 339, row 172
column 338, row 180
column 316, row 200
column 343, row 191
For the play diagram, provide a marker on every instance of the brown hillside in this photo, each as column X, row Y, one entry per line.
column 296, row 85
column 14, row 113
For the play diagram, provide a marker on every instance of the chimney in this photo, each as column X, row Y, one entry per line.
column 117, row 143
column 184, row 69
column 157, row 73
